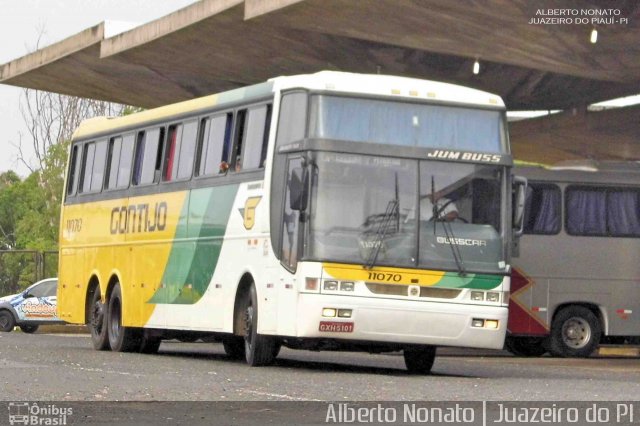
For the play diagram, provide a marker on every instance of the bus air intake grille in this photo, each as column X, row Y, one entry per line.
column 403, row 290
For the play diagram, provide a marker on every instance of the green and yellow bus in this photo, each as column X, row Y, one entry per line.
column 330, row 211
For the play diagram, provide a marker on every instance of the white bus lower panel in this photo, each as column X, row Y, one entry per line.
column 401, row 321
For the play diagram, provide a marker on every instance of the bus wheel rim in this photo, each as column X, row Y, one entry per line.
column 576, row 333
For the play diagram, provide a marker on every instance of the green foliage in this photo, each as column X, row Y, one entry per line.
column 29, row 219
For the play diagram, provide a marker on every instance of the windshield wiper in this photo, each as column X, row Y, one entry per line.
column 437, row 214
column 391, row 215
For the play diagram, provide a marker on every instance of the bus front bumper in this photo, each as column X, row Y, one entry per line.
column 401, row 321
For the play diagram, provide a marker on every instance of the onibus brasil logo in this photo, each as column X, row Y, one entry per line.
column 31, row 413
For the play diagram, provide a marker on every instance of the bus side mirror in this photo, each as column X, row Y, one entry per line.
column 519, row 198
column 298, row 189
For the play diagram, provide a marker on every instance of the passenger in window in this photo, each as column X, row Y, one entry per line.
column 224, row 168
column 238, row 165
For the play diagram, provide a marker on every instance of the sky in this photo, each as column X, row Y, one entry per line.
column 21, row 21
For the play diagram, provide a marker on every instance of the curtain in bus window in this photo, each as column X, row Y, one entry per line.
column 623, row 209
column 542, row 210
column 173, row 148
column 395, row 123
column 586, row 212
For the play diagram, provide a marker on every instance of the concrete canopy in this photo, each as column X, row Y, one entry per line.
column 214, row 45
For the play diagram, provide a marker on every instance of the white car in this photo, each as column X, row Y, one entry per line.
column 31, row 308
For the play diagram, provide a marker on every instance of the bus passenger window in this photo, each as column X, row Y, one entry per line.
column 215, row 138
column 586, row 211
column 126, row 154
column 97, row 174
column 73, row 171
column 119, row 162
column 241, row 123
column 542, row 209
column 113, row 162
column 173, row 148
column 88, row 151
column 187, row 149
column 255, row 137
column 148, row 156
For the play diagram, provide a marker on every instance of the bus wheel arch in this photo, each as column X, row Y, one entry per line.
column 259, row 349
column 576, row 330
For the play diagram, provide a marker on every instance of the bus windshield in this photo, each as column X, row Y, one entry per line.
column 406, row 124
column 363, row 203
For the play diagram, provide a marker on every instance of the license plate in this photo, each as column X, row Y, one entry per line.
column 336, row 327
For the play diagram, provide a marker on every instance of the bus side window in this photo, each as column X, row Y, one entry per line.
column 241, row 131
column 126, row 156
column 72, row 179
column 148, row 157
column 214, row 137
column 99, row 161
column 254, row 145
column 113, row 162
column 542, row 209
column 187, row 149
column 174, row 140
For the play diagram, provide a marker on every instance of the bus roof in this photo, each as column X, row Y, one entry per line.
column 387, row 85
column 341, row 82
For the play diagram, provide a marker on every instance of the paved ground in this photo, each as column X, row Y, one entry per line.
column 66, row 368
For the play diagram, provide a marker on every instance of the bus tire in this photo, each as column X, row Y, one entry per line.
column 121, row 339
column 98, row 322
column 575, row 333
column 525, row 345
column 259, row 349
column 234, row 347
column 7, row 321
column 149, row 344
column 419, row 360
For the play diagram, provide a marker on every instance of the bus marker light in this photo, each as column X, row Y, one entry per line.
column 491, row 324
column 476, row 322
column 477, row 295
column 346, row 286
column 344, row 313
column 493, row 296
column 329, row 312
column 331, row 285
column 311, row 284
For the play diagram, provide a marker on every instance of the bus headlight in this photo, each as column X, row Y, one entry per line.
column 477, row 295
column 493, row 296
column 330, row 285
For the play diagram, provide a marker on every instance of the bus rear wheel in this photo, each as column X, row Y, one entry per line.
column 97, row 322
column 419, row 360
column 121, row 339
column 259, row 349
column 575, row 333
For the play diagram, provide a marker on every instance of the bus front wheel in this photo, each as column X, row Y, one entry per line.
column 575, row 332
column 419, row 360
column 121, row 339
column 259, row 349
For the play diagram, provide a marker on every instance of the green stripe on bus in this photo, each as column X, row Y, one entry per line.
column 196, row 248
column 475, row 281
